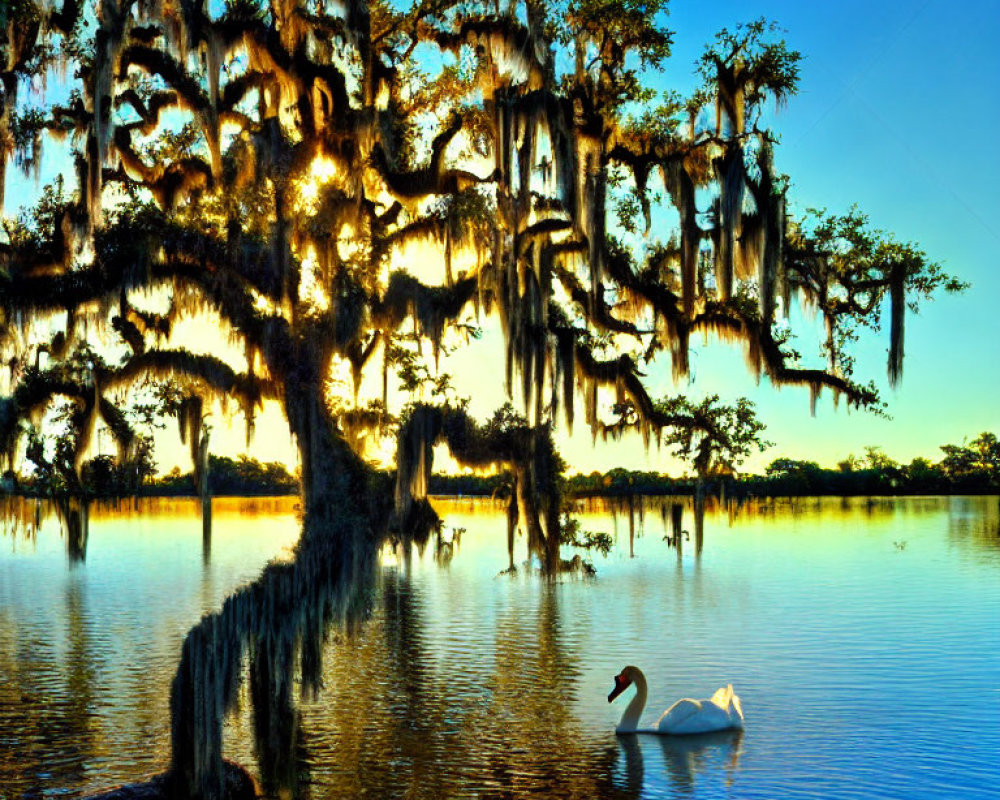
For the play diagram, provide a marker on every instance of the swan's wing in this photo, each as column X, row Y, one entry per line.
column 679, row 716
column 701, row 716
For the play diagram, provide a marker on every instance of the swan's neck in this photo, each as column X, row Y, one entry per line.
column 630, row 716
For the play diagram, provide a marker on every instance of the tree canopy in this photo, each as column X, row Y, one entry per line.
column 343, row 184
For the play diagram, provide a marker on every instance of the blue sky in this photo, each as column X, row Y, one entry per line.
column 897, row 105
column 898, row 102
column 898, row 111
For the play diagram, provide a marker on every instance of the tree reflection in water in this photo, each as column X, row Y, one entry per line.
column 284, row 613
column 976, row 522
column 23, row 517
column 74, row 516
column 394, row 719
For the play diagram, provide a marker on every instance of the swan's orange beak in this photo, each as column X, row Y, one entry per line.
column 621, row 684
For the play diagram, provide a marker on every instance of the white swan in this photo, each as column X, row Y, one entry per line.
column 722, row 711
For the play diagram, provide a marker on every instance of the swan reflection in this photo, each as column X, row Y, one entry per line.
column 680, row 761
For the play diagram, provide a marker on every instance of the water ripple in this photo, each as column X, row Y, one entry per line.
column 866, row 670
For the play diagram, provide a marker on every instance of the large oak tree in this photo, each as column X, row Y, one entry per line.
column 298, row 170
column 277, row 164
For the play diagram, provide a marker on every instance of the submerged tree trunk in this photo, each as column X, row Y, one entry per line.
column 512, row 515
column 699, row 516
column 676, row 523
column 206, row 530
column 543, row 540
column 204, row 493
column 74, row 512
column 529, row 512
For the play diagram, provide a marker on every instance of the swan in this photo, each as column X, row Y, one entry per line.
column 722, row 711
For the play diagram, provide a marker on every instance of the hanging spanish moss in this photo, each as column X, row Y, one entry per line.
column 678, row 182
column 732, row 183
column 507, row 441
column 766, row 237
column 897, row 311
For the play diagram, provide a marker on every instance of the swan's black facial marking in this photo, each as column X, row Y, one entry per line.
column 621, row 684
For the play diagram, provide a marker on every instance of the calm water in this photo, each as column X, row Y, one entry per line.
column 862, row 637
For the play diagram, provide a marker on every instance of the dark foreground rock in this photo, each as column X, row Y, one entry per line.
column 238, row 786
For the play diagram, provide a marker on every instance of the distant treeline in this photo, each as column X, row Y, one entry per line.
column 241, row 476
column 790, row 479
column 972, row 468
column 799, row 479
column 227, row 476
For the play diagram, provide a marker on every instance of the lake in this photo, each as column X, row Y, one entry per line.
column 862, row 635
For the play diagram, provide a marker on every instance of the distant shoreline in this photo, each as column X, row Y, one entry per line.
column 965, row 470
column 610, row 494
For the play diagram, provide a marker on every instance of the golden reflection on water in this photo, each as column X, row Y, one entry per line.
column 21, row 516
column 672, row 518
column 732, row 509
column 185, row 507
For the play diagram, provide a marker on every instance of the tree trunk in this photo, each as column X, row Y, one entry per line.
column 204, row 493
column 529, row 512
column 699, row 516
column 75, row 514
column 542, row 541
column 512, row 515
column 206, row 530
column 334, row 480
